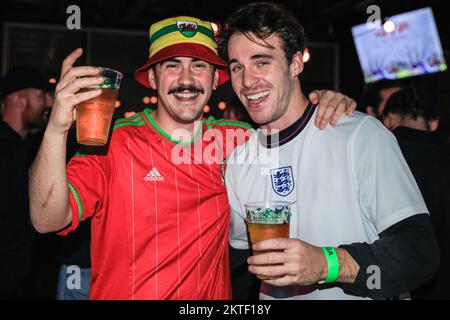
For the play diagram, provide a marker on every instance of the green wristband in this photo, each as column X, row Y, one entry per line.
column 333, row 264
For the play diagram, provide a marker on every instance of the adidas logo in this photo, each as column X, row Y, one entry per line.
column 154, row 175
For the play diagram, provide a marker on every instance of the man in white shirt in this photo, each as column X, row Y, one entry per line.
column 357, row 211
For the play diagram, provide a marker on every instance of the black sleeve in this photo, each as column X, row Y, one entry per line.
column 406, row 255
column 244, row 285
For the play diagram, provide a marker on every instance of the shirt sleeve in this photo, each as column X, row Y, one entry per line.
column 387, row 189
column 406, row 252
column 405, row 256
column 87, row 177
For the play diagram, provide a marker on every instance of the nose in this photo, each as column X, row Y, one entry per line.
column 186, row 77
column 248, row 78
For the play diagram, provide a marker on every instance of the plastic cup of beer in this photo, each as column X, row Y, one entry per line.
column 267, row 220
column 93, row 117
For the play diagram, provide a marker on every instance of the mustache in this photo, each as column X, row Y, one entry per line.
column 192, row 89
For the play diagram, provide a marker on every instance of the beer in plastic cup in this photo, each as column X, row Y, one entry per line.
column 93, row 117
column 267, row 220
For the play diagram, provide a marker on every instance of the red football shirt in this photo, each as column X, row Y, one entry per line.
column 160, row 214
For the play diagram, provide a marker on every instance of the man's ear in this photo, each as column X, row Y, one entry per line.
column 370, row 111
column 393, row 120
column 387, row 122
column 216, row 78
column 297, row 64
column 151, row 78
column 434, row 124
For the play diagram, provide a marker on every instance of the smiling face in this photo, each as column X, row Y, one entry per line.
column 264, row 81
column 184, row 87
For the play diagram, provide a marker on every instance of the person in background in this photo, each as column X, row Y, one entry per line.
column 376, row 94
column 413, row 118
column 23, row 99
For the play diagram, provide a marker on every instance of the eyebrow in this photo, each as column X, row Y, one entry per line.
column 255, row 57
column 171, row 60
column 178, row 61
column 262, row 56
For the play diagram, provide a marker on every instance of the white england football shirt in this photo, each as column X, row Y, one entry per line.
column 349, row 183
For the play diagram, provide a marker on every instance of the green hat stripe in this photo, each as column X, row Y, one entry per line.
column 162, row 32
column 172, row 28
column 207, row 32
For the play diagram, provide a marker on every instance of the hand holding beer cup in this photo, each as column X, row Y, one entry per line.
column 90, row 93
column 93, row 117
column 67, row 95
column 267, row 220
column 279, row 260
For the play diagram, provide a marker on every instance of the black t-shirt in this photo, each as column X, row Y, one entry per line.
column 429, row 159
column 15, row 227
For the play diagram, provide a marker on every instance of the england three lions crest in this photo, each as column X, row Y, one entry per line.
column 282, row 180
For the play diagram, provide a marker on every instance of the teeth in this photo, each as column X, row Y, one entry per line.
column 258, row 95
column 185, row 95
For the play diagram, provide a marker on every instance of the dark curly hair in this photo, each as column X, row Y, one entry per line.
column 412, row 101
column 263, row 19
column 372, row 92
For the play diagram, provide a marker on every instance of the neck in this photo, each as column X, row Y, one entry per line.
column 184, row 132
column 16, row 124
column 419, row 124
column 296, row 107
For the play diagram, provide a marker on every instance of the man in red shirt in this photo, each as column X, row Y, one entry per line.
column 160, row 215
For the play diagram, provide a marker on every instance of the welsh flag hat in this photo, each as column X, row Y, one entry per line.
column 182, row 37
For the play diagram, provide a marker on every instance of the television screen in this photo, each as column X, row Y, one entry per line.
column 412, row 48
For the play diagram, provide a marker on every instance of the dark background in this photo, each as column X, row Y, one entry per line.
column 114, row 34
